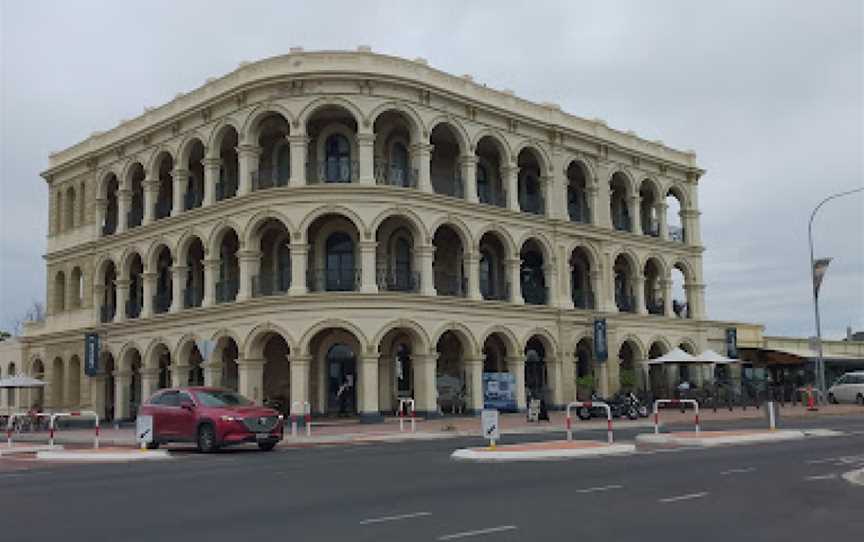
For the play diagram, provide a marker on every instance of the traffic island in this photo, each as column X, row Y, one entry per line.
column 708, row 439
column 540, row 451
column 26, row 449
column 102, row 455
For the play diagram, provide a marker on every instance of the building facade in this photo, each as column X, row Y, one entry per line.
column 324, row 218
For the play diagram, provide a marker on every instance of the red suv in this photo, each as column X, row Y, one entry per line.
column 211, row 417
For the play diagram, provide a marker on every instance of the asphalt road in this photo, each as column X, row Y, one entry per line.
column 414, row 492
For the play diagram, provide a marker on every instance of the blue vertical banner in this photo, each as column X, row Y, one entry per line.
column 601, row 348
column 732, row 342
column 91, row 354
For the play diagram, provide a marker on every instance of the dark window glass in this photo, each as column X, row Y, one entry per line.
column 221, row 398
column 338, row 159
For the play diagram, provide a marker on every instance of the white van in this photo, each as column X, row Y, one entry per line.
column 849, row 388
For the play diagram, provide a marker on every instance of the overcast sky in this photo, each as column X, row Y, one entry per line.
column 769, row 94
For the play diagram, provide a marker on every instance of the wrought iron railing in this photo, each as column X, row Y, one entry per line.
column 266, row 284
column 583, row 300
column 621, row 222
column 193, row 297
column 625, row 303
column 162, row 209
column 389, row 174
column 333, row 280
column 651, row 228
column 655, row 306
column 226, row 290
column 106, row 313
column 135, row 217
column 532, row 204
column 498, row 199
column 398, row 280
column 133, row 308
column 193, row 199
column 331, row 171
column 495, row 292
column 109, row 227
column 269, row 178
column 535, row 294
column 162, row 302
column 451, row 285
column 226, row 187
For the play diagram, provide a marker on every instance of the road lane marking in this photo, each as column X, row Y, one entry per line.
column 821, row 477
column 394, row 518
column 684, row 497
column 479, row 532
column 737, row 471
column 599, row 488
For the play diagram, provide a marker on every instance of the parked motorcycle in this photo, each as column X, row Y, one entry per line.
column 620, row 406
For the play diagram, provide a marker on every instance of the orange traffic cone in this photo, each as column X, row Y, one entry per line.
column 811, row 404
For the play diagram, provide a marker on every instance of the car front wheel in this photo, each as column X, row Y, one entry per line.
column 860, row 399
column 832, row 399
column 266, row 446
column 207, row 439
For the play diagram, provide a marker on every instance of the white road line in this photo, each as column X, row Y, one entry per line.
column 600, row 488
column 819, row 461
column 479, row 532
column 737, row 471
column 684, row 497
column 821, row 477
column 394, row 518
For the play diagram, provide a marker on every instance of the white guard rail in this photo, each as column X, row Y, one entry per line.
column 674, row 403
column 410, row 403
column 76, row 414
column 10, row 425
column 589, row 404
column 306, row 408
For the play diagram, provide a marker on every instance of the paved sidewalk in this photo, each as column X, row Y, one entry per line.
column 334, row 431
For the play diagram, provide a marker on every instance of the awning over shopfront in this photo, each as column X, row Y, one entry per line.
column 674, row 356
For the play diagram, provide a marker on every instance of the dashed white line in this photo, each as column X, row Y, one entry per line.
column 737, row 471
column 478, row 532
column 599, row 488
column 821, row 477
column 395, row 518
column 684, row 497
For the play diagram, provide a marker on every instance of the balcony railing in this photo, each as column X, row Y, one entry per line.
column 655, row 306
column 226, row 187
column 534, row 294
column 226, row 290
column 109, row 227
column 332, row 171
column 583, row 300
column 193, row 200
column 133, row 308
column 625, row 303
column 498, row 199
column 454, row 188
column 390, row 174
column 495, row 292
column 163, row 209
column 579, row 213
column 135, row 217
column 267, row 284
column 676, row 233
column 398, row 280
column 269, row 178
column 651, row 228
column 532, row 204
column 192, row 297
column 162, row 303
column 333, row 280
column 621, row 221
column 451, row 285
column 106, row 313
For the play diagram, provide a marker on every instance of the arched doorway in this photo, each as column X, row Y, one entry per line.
column 341, row 380
column 586, row 382
column 450, row 378
column 535, row 369
column 277, row 372
column 110, row 389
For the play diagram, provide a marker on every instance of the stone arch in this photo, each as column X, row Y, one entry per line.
column 503, row 235
column 410, row 216
column 466, row 337
column 261, row 217
column 653, row 184
column 225, row 333
column 632, row 258
column 183, row 348
column 689, row 343
column 456, row 127
column 680, row 192
column 590, row 250
column 129, row 168
column 418, row 129
column 507, row 156
column 312, row 332
column 630, row 182
column 420, row 334
column 104, row 179
column 659, row 261
column 588, row 169
column 658, row 340
column 253, row 120
column 126, row 260
column 341, row 210
column 256, row 340
column 686, row 268
column 150, row 358
column 102, row 265
column 511, row 341
column 184, row 149
column 188, row 237
column 218, row 233
column 214, row 142
column 548, row 340
column 458, row 225
column 540, row 155
column 331, row 101
column 156, row 158
column 153, row 253
column 544, row 243
column 122, row 360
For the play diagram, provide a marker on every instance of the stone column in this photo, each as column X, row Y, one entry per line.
column 635, row 206
column 97, row 394
column 554, row 372
column 426, row 255
column 180, row 372
column 639, row 293
column 247, row 156
column 474, row 385
column 366, row 156
column 468, row 167
column 592, row 194
column 690, row 221
column 151, row 192
column 124, row 202
column 299, row 145
column 516, row 367
column 666, row 286
column 515, row 272
column 662, row 209
column 101, row 212
column 211, row 268
column 249, row 263
column 551, row 277
column 510, row 178
column 211, row 177
column 550, row 205
column 181, row 185
column 149, row 287
column 472, row 266
column 695, row 300
column 250, row 374
column 299, row 259
column 122, row 288
column 568, row 380
column 368, row 283
column 565, row 285
column 178, row 279
column 149, row 382
column 425, row 384
column 299, row 367
column 602, row 211
column 122, row 381
column 422, row 153
column 212, row 373
column 368, row 389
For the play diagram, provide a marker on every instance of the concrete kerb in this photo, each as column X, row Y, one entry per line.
column 855, row 477
column 103, row 455
column 19, row 449
column 551, row 453
column 708, row 439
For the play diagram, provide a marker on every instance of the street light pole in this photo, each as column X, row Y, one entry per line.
column 820, row 362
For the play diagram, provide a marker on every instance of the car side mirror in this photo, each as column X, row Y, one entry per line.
column 187, row 405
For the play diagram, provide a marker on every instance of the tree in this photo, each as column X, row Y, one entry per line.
column 4, row 335
column 36, row 313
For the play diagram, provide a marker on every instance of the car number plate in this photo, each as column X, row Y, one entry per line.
column 262, row 436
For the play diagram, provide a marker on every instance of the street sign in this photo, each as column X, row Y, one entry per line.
column 601, row 349
column 144, row 430
column 91, row 354
column 732, row 342
column 489, row 422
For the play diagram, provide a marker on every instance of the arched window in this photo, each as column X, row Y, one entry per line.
column 402, row 264
column 340, row 263
column 338, row 159
column 399, row 165
column 483, row 184
column 487, row 277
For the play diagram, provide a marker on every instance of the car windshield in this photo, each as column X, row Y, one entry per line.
column 221, row 398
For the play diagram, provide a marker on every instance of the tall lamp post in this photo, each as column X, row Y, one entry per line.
column 820, row 362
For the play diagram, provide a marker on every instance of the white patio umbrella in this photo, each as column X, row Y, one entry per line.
column 21, row 381
column 674, row 356
column 710, row 356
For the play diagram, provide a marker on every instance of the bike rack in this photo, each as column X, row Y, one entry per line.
column 410, row 403
column 306, row 408
column 589, row 404
column 10, row 423
column 674, row 402
column 76, row 414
